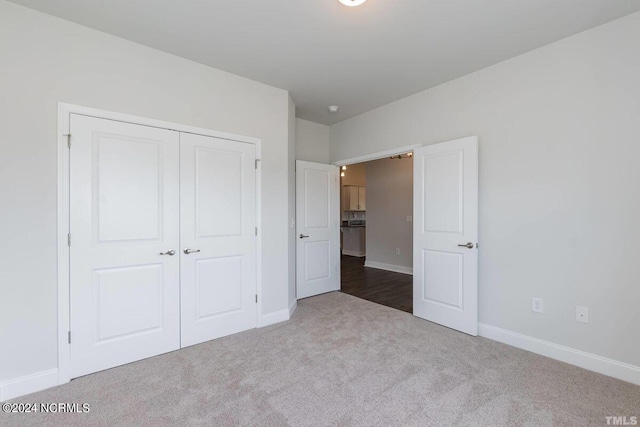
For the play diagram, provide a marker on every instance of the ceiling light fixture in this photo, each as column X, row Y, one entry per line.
column 333, row 109
column 352, row 3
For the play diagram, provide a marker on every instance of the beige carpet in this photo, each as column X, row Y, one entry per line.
column 342, row 361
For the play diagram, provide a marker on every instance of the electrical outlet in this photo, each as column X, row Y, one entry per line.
column 397, row 251
column 582, row 314
column 537, row 305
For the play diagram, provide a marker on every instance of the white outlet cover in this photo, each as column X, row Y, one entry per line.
column 537, row 305
column 582, row 314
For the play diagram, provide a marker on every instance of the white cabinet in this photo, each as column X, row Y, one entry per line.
column 354, row 198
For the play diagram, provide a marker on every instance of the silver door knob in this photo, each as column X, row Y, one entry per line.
column 468, row 245
column 302, row 236
column 170, row 252
column 188, row 251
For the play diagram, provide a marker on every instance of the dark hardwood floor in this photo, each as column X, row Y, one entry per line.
column 379, row 286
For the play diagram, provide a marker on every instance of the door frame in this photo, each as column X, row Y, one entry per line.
column 63, row 223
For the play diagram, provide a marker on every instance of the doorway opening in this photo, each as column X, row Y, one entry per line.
column 443, row 225
column 376, row 206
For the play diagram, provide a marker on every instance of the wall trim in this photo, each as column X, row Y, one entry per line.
column 389, row 267
column 28, row 384
column 377, row 155
column 293, row 307
column 273, row 318
column 592, row 362
column 358, row 254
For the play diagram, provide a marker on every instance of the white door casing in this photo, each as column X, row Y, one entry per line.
column 318, row 229
column 124, row 193
column 218, row 237
column 445, row 279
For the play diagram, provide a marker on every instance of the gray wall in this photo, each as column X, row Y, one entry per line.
column 559, row 131
column 389, row 202
column 46, row 60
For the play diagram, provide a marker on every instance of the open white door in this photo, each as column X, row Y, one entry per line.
column 318, row 229
column 445, row 249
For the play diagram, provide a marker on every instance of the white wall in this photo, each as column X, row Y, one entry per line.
column 389, row 202
column 312, row 141
column 559, row 131
column 46, row 60
column 292, row 202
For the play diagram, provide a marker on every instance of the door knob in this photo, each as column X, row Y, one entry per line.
column 302, row 236
column 188, row 251
column 468, row 245
column 170, row 252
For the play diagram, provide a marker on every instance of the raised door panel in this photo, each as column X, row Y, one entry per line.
column 218, row 190
column 317, row 187
column 443, row 190
column 118, row 163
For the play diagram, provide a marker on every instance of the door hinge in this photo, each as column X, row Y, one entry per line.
column 256, row 298
column 68, row 135
column 69, row 337
column 68, row 239
column 257, row 160
column 256, row 231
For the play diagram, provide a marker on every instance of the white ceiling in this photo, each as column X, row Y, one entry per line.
column 327, row 54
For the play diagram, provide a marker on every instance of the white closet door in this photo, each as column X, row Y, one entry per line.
column 218, row 253
column 124, row 295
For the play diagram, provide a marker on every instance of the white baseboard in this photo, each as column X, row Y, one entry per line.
column 28, row 384
column 359, row 254
column 273, row 318
column 613, row 368
column 389, row 267
column 292, row 307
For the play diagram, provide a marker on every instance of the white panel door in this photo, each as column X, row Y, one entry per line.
column 218, row 237
column 318, row 229
column 445, row 254
column 124, row 294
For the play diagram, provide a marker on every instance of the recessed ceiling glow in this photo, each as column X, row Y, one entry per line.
column 352, row 3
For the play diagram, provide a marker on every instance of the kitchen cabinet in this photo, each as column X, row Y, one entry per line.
column 355, row 198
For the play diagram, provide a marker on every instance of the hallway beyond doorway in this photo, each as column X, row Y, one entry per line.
column 380, row 286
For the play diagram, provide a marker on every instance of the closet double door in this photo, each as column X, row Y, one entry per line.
column 162, row 241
